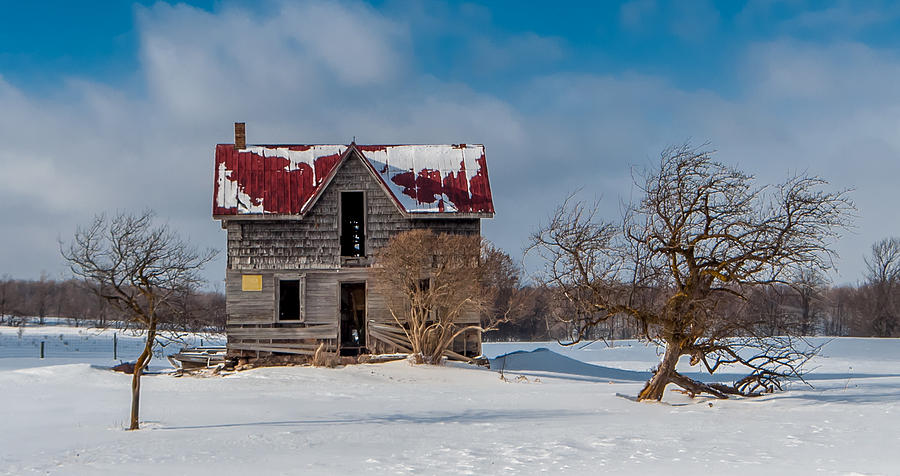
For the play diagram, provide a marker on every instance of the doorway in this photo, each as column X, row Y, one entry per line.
column 353, row 318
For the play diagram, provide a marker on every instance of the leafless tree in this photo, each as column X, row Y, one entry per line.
column 139, row 268
column 841, row 302
column 882, row 278
column 6, row 293
column 766, row 308
column 431, row 282
column 684, row 259
column 42, row 294
column 809, row 287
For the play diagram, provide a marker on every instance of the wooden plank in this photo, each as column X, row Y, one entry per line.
column 330, row 348
column 454, row 356
column 387, row 329
column 312, row 332
column 269, row 348
column 403, row 344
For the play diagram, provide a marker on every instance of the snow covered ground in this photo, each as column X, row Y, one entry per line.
column 560, row 410
column 65, row 344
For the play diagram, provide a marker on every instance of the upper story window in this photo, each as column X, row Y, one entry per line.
column 353, row 224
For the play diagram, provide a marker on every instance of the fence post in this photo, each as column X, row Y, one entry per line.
column 42, row 349
column 115, row 346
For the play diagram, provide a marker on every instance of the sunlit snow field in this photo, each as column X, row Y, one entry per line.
column 559, row 410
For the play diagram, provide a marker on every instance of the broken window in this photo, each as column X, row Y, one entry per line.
column 289, row 300
column 353, row 233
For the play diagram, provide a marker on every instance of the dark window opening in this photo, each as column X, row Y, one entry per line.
column 289, row 300
column 353, row 318
column 353, row 233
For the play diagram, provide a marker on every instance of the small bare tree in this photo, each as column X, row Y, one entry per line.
column 431, row 283
column 882, row 279
column 139, row 268
column 809, row 286
column 42, row 297
column 686, row 256
column 6, row 286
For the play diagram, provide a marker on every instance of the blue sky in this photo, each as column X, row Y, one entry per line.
column 118, row 105
column 692, row 43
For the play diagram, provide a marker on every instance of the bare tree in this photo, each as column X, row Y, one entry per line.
column 841, row 303
column 6, row 292
column 684, row 260
column 809, row 287
column 42, row 294
column 432, row 283
column 882, row 277
column 139, row 268
column 766, row 309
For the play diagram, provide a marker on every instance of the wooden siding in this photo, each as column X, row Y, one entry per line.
column 309, row 248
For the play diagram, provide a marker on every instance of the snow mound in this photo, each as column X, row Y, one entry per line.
column 545, row 360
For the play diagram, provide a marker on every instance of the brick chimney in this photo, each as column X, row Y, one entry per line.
column 240, row 136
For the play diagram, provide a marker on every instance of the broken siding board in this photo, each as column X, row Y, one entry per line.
column 393, row 340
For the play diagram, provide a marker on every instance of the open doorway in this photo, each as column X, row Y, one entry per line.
column 353, row 318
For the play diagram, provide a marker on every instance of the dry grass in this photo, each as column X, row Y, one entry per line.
column 323, row 358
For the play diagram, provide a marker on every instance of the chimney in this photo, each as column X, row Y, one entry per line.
column 240, row 136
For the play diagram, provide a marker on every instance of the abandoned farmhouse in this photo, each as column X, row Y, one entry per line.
column 303, row 222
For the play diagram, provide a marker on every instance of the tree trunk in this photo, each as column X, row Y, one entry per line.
column 664, row 373
column 136, row 377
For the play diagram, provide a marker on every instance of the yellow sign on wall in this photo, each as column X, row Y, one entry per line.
column 251, row 282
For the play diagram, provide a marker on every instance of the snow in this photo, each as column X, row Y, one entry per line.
column 390, row 161
column 230, row 194
column 307, row 156
column 65, row 344
column 559, row 410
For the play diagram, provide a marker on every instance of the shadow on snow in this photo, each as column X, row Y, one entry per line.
column 548, row 362
column 469, row 416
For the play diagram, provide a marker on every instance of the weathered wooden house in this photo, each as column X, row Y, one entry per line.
column 303, row 222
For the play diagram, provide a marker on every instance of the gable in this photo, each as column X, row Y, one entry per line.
column 287, row 179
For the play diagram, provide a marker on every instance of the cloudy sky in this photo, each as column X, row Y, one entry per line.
column 119, row 107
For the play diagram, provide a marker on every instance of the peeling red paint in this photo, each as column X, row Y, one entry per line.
column 274, row 184
column 267, row 182
column 373, row 148
column 428, row 186
column 407, row 180
column 481, row 188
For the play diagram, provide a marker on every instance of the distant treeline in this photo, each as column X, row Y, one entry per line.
column 23, row 300
column 808, row 308
column 813, row 308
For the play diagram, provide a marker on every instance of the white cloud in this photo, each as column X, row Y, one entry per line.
column 351, row 72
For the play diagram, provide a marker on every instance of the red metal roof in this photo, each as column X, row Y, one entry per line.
column 286, row 179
